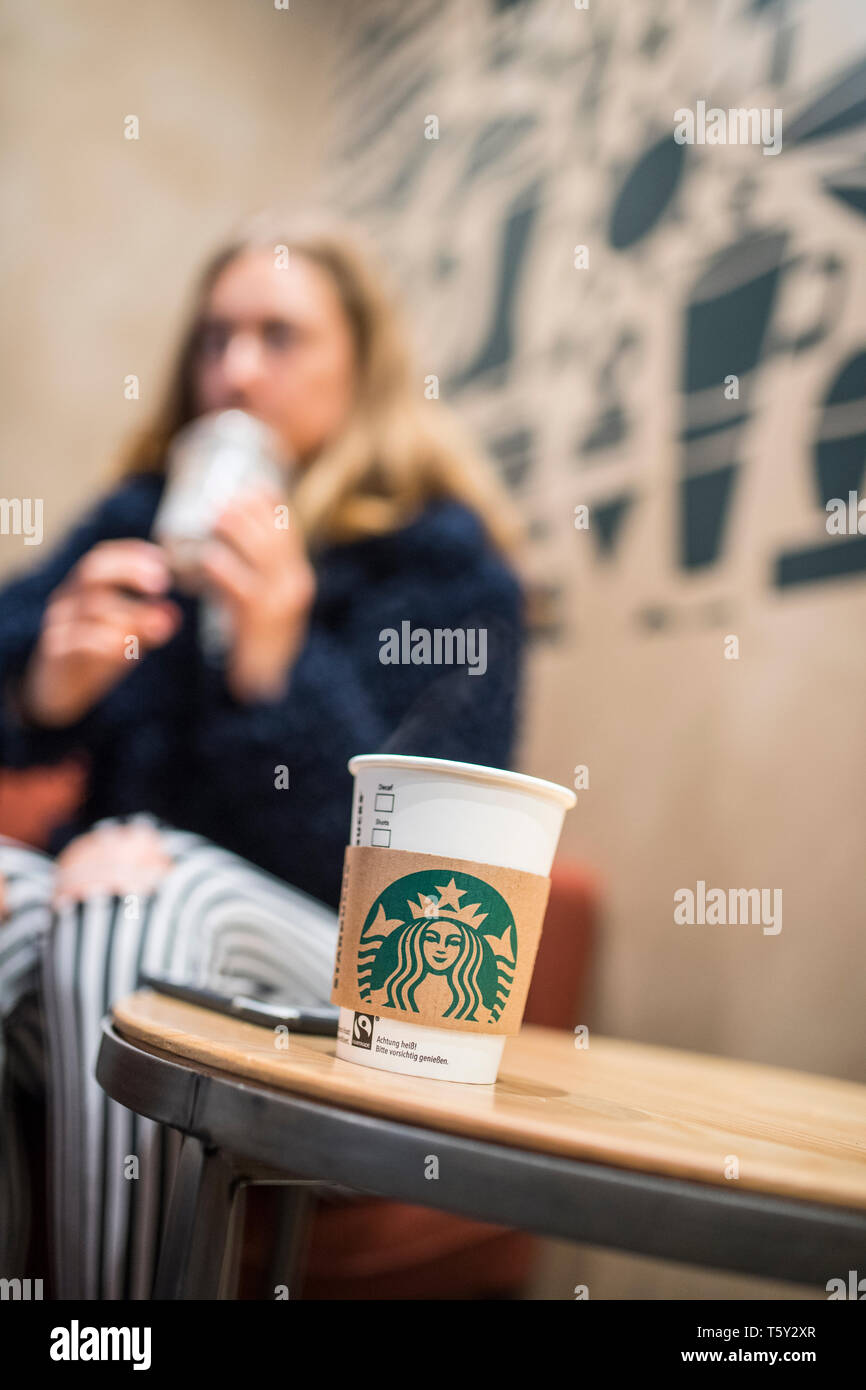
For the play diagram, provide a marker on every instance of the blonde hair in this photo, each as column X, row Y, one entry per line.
column 397, row 450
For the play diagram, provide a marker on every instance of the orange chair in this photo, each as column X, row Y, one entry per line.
column 33, row 801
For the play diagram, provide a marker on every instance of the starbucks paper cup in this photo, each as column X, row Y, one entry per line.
column 445, row 883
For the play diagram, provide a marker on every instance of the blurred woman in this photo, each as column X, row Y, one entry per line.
column 209, row 843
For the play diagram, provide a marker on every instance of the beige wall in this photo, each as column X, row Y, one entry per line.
column 104, row 234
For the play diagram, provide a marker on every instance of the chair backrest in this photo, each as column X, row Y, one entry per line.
column 560, row 976
column 35, row 800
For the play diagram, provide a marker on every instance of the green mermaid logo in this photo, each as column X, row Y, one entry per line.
column 421, row 950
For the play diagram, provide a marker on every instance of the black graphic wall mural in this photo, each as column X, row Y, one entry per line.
column 616, row 312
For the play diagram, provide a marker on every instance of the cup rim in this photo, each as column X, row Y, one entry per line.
column 475, row 772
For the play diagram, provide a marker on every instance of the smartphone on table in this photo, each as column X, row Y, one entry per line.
column 320, row 1019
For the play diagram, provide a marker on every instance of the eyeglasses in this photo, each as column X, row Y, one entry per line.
column 215, row 336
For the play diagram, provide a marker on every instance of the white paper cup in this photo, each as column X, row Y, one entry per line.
column 464, row 810
column 212, row 460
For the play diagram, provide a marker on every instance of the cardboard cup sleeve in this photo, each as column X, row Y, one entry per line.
column 439, row 942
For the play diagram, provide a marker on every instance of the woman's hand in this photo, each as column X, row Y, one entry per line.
column 119, row 859
column 83, row 648
column 263, row 574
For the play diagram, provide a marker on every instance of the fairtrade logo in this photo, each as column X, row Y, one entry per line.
column 421, row 948
column 362, row 1031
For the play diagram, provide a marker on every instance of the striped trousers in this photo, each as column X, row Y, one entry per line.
column 214, row 920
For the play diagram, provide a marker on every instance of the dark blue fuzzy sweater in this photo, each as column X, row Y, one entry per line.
column 170, row 739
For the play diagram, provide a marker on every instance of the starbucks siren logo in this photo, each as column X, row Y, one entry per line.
column 419, row 943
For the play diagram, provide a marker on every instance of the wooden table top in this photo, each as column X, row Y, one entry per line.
column 654, row 1109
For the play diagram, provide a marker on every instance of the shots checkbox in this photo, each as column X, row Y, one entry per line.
column 382, row 837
